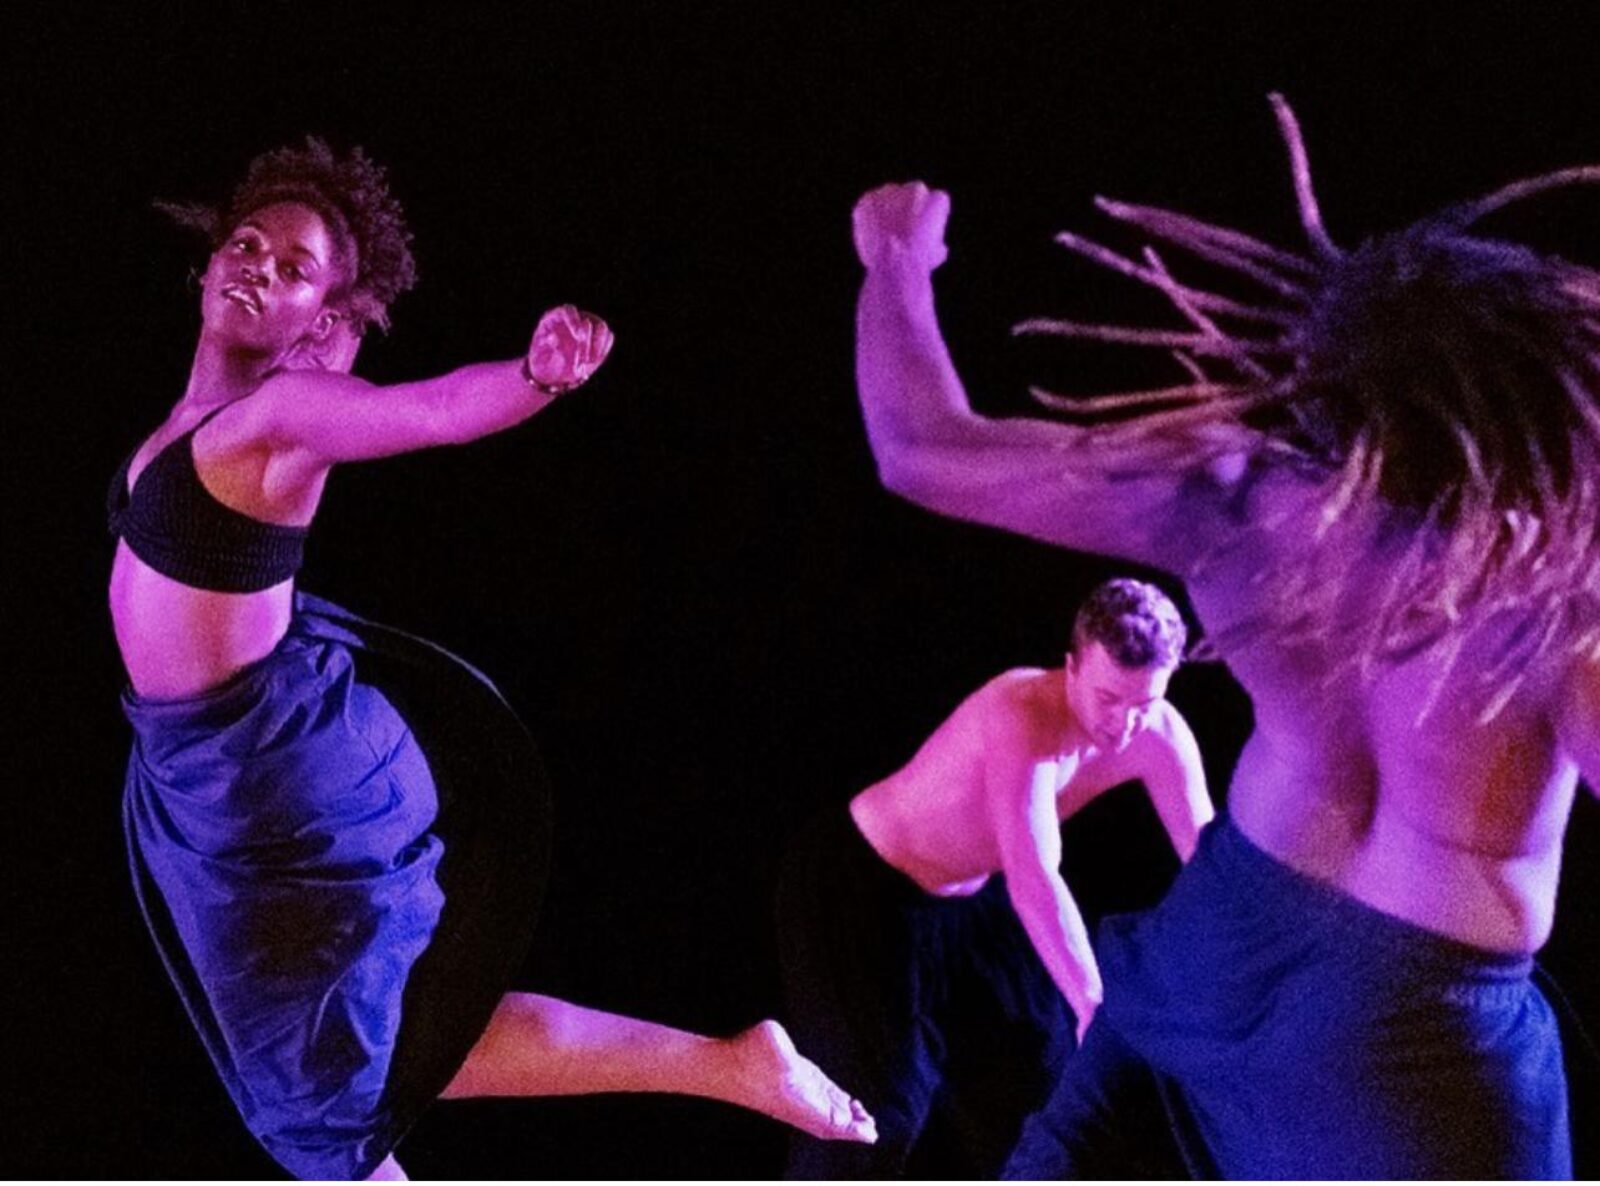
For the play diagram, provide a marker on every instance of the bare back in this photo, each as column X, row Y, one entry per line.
column 1447, row 822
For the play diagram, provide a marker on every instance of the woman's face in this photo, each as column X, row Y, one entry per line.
column 267, row 286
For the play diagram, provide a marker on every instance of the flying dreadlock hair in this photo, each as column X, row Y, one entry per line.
column 1446, row 380
column 352, row 198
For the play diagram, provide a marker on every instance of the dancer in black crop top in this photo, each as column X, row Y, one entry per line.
column 318, row 867
column 175, row 525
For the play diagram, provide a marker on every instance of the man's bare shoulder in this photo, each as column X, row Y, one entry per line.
column 1165, row 738
column 1024, row 705
column 1022, row 692
column 1168, row 723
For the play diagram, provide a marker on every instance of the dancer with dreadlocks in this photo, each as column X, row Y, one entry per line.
column 337, row 831
column 1381, row 485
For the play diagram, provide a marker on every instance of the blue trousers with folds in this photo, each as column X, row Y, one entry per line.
column 1277, row 1028
column 309, row 900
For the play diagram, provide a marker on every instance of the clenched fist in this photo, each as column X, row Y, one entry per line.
column 901, row 220
column 568, row 346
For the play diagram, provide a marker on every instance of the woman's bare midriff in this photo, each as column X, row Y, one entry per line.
column 178, row 641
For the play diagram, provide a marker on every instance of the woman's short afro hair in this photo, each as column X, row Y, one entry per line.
column 351, row 195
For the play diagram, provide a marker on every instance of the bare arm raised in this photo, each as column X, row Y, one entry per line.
column 1034, row 477
column 315, row 418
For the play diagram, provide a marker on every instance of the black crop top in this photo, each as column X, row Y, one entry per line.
column 174, row 525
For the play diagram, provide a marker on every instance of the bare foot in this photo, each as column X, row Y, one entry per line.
column 778, row 1081
column 388, row 1171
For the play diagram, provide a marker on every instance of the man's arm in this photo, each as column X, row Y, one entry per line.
column 1034, row 477
column 1168, row 763
column 1022, row 799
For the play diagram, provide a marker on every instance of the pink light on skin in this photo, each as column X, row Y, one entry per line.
column 1109, row 701
column 268, row 285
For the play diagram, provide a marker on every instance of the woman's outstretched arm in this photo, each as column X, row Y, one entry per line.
column 315, row 418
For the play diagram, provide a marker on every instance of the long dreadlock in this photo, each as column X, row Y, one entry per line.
column 1444, row 380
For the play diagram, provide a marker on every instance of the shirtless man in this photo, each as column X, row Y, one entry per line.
column 1381, row 490
column 899, row 943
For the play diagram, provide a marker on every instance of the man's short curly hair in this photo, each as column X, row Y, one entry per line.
column 1135, row 622
column 351, row 195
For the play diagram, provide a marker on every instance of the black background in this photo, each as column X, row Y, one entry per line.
column 687, row 578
